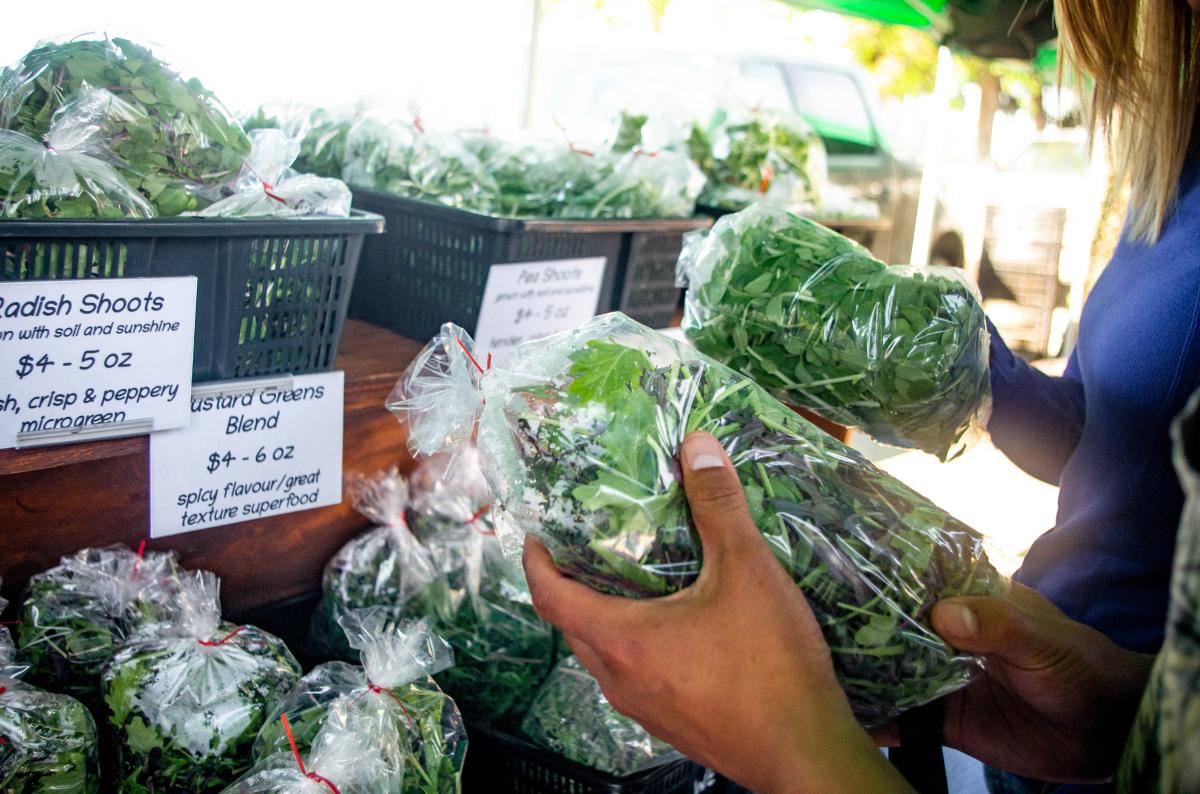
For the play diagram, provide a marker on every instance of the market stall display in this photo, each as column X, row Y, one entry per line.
column 572, row 717
column 479, row 602
column 186, row 699
column 76, row 615
column 384, row 567
column 390, row 703
column 578, row 434
column 900, row 352
column 170, row 136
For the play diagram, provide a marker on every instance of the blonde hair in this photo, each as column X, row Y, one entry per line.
column 1142, row 57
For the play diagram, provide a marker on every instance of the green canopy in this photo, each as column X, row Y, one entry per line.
column 914, row 13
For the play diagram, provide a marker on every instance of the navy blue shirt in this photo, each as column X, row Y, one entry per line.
column 1101, row 432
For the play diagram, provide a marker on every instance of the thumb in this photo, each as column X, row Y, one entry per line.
column 715, row 496
column 996, row 626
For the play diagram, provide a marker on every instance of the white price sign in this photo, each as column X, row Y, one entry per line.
column 251, row 451
column 94, row 358
column 529, row 300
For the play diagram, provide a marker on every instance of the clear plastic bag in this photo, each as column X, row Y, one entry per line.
column 62, row 178
column 900, row 352
column 49, row 742
column 270, row 187
column 174, row 135
column 405, row 159
column 762, row 156
column 10, row 664
column 571, row 717
column 345, row 756
column 384, row 567
column 578, row 435
column 76, row 615
column 638, row 184
column 390, row 702
column 479, row 603
column 186, row 699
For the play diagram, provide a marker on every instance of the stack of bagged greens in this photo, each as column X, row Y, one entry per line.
column 769, row 157
column 170, row 138
column 579, row 434
column 76, row 615
column 400, row 717
column 900, row 352
column 186, row 699
column 571, row 717
column 383, row 567
column 47, row 741
column 479, row 602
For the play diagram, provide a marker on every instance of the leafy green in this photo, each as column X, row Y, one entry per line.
column 322, row 138
column 47, row 742
column 592, row 472
column 571, row 717
column 768, row 155
column 75, row 615
column 169, row 137
column 183, row 714
column 901, row 353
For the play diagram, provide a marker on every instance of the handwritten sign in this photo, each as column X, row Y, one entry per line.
column 529, row 300
column 85, row 359
column 251, row 451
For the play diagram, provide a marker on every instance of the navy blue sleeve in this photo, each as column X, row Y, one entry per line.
column 1036, row 418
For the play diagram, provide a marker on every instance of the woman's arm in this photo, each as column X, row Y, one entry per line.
column 1036, row 418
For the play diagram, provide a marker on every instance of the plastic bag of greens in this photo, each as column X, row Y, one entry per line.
column 76, row 615
column 900, row 352
column 639, row 184
column 383, row 567
column 571, row 717
column 391, row 702
column 186, row 699
column 479, row 602
column 346, row 756
column 270, row 187
column 62, row 178
column 528, row 178
column 766, row 156
column 10, row 665
column 578, row 436
column 406, row 160
column 173, row 134
column 48, row 741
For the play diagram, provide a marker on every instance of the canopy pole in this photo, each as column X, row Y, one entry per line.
column 935, row 141
column 532, row 66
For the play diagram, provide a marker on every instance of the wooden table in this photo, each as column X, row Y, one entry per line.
column 55, row 500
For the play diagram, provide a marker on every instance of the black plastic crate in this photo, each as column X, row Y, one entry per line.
column 432, row 264
column 271, row 296
column 498, row 763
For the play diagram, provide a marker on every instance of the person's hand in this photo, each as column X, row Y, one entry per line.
column 733, row 671
column 1056, row 698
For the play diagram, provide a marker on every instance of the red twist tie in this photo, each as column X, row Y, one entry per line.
column 482, row 370
column 3, row 741
column 223, row 640
column 137, row 563
column 475, row 518
column 287, row 728
column 10, row 623
column 3, row 689
column 640, row 152
column 380, row 690
column 581, row 151
column 768, row 176
column 268, row 188
column 418, row 125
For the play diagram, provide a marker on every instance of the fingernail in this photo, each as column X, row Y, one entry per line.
column 703, row 452
column 957, row 620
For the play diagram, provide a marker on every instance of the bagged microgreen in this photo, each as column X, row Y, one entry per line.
column 578, row 435
column 186, row 699
column 171, row 138
column 570, row 716
column 269, row 186
column 397, row 711
column 383, row 567
column 76, row 615
column 47, row 742
column 479, row 602
column 900, row 352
